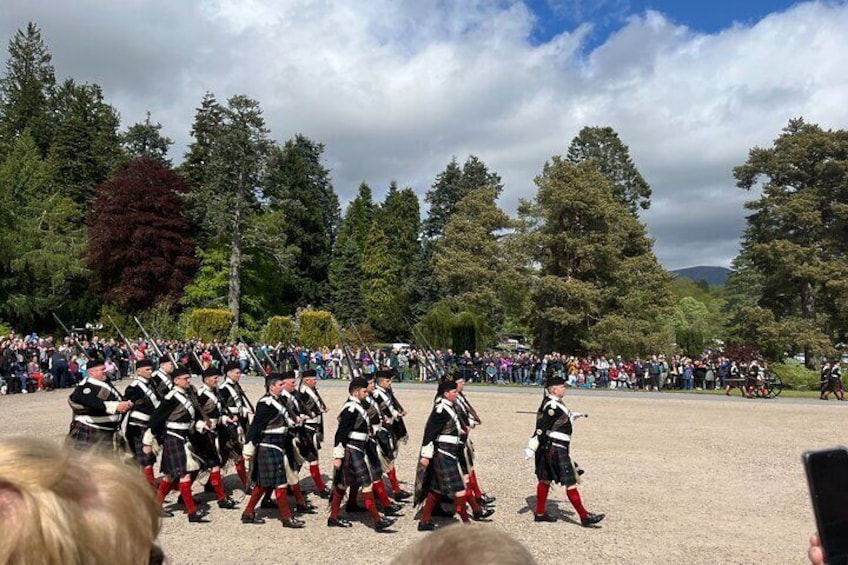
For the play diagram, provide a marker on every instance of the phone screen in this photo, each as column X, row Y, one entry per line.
column 827, row 472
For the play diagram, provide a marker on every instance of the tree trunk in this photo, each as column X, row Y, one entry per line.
column 234, row 297
column 808, row 312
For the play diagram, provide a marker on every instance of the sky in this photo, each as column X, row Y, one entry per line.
column 396, row 88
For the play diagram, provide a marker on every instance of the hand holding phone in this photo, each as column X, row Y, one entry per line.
column 827, row 477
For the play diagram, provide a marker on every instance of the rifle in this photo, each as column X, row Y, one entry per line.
column 348, row 358
column 121, row 334
column 365, row 346
column 72, row 336
column 428, row 363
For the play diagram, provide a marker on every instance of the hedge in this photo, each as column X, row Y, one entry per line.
column 209, row 324
column 280, row 329
column 316, row 328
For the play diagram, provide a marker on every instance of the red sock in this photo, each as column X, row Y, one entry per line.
column 352, row 496
column 215, row 480
column 148, row 474
column 336, row 503
column 164, row 489
column 242, row 472
column 185, row 492
column 475, row 486
column 370, row 506
column 574, row 497
column 298, row 494
column 254, row 499
column 316, row 476
column 393, row 479
column 429, row 505
column 542, row 497
column 380, row 491
column 461, row 510
column 283, row 503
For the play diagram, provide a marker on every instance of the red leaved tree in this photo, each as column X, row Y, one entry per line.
column 139, row 248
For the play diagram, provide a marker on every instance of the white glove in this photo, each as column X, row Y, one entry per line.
column 529, row 453
column 249, row 450
column 200, row 426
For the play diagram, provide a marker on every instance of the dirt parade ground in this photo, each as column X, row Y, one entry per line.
column 681, row 478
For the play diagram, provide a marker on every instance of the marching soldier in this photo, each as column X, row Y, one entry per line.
column 550, row 444
column 314, row 408
column 97, row 408
column 469, row 419
column 162, row 377
column 170, row 426
column 236, row 409
column 214, row 438
column 831, row 379
column 296, row 442
column 266, row 445
column 145, row 398
column 439, row 472
column 350, row 457
column 377, row 451
column 391, row 430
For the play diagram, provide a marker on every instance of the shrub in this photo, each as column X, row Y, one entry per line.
column 208, row 324
column 316, row 328
column 795, row 374
column 280, row 329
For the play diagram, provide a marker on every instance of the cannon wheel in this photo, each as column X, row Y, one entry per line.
column 773, row 384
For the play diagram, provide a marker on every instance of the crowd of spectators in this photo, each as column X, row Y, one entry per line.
column 30, row 363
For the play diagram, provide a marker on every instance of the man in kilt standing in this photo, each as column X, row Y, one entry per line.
column 97, row 407
column 145, row 400
column 313, row 407
column 350, row 458
column 439, row 472
column 170, row 426
column 236, row 414
column 213, row 440
column 550, row 444
column 266, row 445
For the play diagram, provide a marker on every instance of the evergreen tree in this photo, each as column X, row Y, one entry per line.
column 26, row 90
column 452, row 185
column 599, row 285
column 345, row 273
column 138, row 250
column 146, row 140
column 207, row 119
column 603, row 146
column 381, row 286
column 796, row 241
column 300, row 186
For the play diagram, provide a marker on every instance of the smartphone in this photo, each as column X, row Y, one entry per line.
column 827, row 477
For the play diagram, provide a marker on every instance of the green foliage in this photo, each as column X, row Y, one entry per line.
column 795, row 374
column 316, row 328
column 464, row 332
column 146, row 140
column 5, row 329
column 208, row 324
column 381, row 286
column 280, row 329
column 689, row 320
column 602, row 146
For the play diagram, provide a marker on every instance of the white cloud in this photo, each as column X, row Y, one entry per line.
column 394, row 89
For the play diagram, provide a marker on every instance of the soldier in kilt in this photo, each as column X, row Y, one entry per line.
column 210, row 440
column 439, row 468
column 392, row 430
column 550, row 444
column 266, row 446
column 469, row 418
column 170, row 426
column 236, row 418
column 313, row 407
column 350, row 458
column 97, row 407
column 145, row 399
column 380, row 450
column 831, row 379
column 162, row 377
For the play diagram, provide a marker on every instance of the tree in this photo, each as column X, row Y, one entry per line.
column 452, row 185
column 796, row 240
column 299, row 185
column 345, row 272
column 138, row 248
column 381, row 286
column 602, row 146
column 26, row 90
column 598, row 284
column 86, row 147
column 145, row 140
column 690, row 320
column 207, row 119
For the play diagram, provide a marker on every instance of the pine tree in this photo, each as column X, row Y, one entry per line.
column 146, row 140
column 381, row 288
column 138, row 249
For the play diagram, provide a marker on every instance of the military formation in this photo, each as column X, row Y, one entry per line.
column 198, row 431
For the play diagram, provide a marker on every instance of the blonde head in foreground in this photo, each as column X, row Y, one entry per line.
column 464, row 545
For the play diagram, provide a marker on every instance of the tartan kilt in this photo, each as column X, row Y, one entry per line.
column 446, row 469
column 206, row 446
column 134, row 435
column 386, row 444
column 230, row 440
column 86, row 437
column 466, row 456
column 310, row 444
column 269, row 468
column 357, row 468
column 553, row 463
column 175, row 459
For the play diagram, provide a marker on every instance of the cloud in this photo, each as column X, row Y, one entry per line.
column 394, row 89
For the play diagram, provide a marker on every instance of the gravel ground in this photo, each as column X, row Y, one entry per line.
column 681, row 478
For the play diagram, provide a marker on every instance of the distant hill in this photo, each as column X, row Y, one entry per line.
column 715, row 276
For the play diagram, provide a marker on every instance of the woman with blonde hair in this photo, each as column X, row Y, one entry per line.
column 61, row 506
